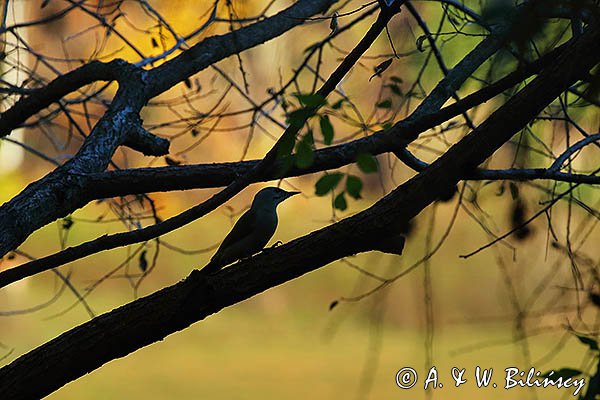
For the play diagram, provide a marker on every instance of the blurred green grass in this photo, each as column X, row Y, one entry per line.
column 241, row 355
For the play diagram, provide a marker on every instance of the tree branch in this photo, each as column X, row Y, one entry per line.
column 60, row 192
column 160, row 179
column 41, row 98
column 219, row 47
column 146, row 143
column 107, row 242
column 513, row 174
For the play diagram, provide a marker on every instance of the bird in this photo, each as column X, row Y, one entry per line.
column 252, row 231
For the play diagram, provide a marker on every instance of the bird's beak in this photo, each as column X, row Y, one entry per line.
column 290, row 194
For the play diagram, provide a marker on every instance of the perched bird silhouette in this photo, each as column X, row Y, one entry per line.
column 252, row 231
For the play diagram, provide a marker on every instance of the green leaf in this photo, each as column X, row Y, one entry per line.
column 354, row 186
column 340, row 202
column 381, row 67
column 384, row 104
column 327, row 183
column 514, row 190
column 300, row 116
column 338, row 104
column 310, row 100
column 367, row 163
column 589, row 342
column 305, row 154
column 326, row 129
column 563, row 373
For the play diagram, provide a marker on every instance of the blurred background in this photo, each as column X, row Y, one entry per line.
column 514, row 304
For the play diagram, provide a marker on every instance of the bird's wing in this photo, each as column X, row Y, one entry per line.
column 243, row 227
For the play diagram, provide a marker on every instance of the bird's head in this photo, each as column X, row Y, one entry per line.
column 270, row 197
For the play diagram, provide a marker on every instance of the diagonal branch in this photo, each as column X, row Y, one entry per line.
column 41, row 98
column 60, row 192
column 258, row 169
column 219, row 47
column 159, row 179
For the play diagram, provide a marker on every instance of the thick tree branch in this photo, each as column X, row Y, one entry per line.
column 56, row 194
column 219, row 47
column 57, row 89
column 152, row 318
column 258, row 169
column 60, row 192
column 146, row 143
column 160, row 179
column 395, row 138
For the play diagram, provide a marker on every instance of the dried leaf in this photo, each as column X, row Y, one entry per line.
column 420, row 41
column 379, row 69
column 171, row 161
column 333, row 25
